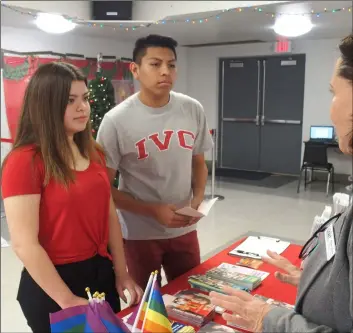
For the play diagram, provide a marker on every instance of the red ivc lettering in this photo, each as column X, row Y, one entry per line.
column 162, row 145
column 182, row 141
column 141, row 148
column 183, row 136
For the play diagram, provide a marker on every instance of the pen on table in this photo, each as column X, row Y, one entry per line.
column 264, row 237
column 248, row 253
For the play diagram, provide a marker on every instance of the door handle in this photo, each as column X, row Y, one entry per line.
column 293, row 122
column 263, row 95
column 283, row 121
column 240, row 120
column 258, row 94
column 222, row 112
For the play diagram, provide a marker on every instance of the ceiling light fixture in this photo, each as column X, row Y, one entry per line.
column 292, row 25
column 54, row 23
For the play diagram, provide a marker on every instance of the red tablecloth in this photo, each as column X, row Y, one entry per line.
column 270, row 287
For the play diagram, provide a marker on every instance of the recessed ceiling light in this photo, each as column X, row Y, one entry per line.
column 293, row 25
column 54, row 23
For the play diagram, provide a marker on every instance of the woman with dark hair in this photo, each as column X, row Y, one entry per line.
column 58, row 204
column 325, row 286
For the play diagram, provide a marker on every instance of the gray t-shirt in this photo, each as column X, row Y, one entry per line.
column 152, row 149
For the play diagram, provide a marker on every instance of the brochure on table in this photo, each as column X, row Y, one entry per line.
column 168, row 299
column 244, row 270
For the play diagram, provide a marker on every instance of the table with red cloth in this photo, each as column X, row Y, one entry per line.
column 270, row 287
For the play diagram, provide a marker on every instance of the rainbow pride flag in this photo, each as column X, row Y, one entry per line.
column 153, row 313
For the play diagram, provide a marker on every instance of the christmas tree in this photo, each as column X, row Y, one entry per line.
column 101, row 100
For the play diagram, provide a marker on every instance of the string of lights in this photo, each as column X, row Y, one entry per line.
column 127, row 26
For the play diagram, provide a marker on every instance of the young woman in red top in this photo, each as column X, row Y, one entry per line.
column 58, row 204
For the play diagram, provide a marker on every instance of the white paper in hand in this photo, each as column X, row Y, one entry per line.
column 203, row 210
column 4, row 243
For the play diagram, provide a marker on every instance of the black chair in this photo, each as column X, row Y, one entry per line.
column 315, row 158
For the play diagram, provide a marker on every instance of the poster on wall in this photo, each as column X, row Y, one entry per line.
column 17, row 71
column 123, row 89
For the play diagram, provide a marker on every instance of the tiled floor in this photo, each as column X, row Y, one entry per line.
column 274, row 212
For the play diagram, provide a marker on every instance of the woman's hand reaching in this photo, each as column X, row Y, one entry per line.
column 73, row 301
column 293, row 273
column 243, row 309
column 127, row 283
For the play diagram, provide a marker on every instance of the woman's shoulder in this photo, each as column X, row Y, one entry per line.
column 22, row 172
column 347, row 218
column 344, row 232
column 349, row 230
column 26, row 149
column 24, row 155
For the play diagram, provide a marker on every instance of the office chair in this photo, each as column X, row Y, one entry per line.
column 315, row 158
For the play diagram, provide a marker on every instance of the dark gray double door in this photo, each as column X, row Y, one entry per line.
column 261, row 113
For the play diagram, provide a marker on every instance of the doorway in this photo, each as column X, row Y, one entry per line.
column 261, row 113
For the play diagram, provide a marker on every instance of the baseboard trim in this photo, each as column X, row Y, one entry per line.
column 321, row 176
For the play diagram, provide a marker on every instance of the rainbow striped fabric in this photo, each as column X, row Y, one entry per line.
column 92, row 318
column 156, row 314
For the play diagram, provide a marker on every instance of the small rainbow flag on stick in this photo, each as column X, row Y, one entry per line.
column 151, row 315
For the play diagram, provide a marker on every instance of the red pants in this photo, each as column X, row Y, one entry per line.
column 176, row 255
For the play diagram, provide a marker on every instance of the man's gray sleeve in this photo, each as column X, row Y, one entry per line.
column 107, row 137
column 203, row 140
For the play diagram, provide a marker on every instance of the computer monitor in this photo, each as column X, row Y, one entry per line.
column 321, row 133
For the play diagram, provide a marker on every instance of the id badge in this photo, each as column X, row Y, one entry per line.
column 330, row 242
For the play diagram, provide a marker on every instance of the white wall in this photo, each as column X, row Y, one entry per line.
column 30, row 40
column 321, row 55
column 80, row 9
column 157, row 10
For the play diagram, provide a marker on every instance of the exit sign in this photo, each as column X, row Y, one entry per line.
column 283, row 46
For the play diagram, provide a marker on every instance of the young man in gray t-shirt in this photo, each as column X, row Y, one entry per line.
column 156, row 139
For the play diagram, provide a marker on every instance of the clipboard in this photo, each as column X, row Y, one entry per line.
column 256, row 247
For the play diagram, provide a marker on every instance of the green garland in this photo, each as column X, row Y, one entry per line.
column 118, row 68
column 17, row 73
column 85, row 70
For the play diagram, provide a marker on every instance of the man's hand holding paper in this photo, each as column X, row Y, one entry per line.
column 202, row 211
